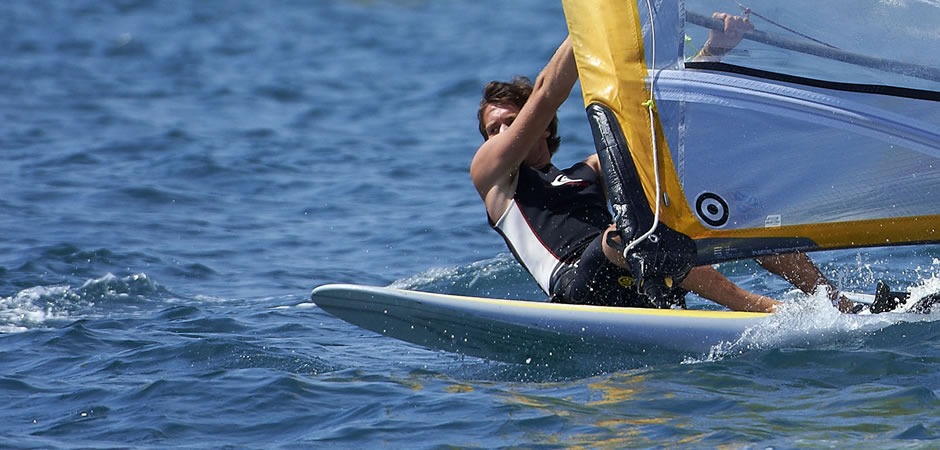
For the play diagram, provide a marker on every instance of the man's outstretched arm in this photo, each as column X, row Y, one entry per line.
column 502, row 153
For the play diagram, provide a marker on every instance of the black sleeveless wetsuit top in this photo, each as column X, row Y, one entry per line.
column 553, row 227
column 553, row 217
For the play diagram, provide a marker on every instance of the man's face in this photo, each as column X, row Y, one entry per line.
column 498, row 117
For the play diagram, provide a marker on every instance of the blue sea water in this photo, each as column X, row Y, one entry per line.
column 177, row 176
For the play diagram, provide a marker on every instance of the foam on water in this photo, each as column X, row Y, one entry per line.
column 806, row 321
column 926, row 287
column 26, row 309
column 35, row 307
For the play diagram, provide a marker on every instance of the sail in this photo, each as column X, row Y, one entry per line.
column 821, row 130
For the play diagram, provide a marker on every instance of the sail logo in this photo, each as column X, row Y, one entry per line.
column 773, row 221
column 712, row 209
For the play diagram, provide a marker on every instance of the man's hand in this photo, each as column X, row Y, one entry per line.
column 720, row 42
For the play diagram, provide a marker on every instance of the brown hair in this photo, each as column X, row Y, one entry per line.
column 515, row 92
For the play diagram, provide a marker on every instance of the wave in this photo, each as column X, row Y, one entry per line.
column 499, row 277
column 36, row 307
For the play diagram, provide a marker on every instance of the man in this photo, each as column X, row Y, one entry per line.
column 557, row 223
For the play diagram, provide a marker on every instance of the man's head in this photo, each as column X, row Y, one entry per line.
column 515, row 92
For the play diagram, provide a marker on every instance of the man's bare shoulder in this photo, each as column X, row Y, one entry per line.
column 594, row 163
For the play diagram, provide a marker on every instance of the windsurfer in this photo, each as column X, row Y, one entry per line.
column 557, row 222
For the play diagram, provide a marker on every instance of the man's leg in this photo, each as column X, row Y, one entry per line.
column 707, row 282
column 797, row 269
column 703, row 280
column 613, row 246
column 801, row 272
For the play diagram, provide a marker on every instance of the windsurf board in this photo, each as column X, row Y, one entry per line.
column 528, row 332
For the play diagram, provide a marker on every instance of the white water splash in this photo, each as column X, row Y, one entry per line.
column 36, row 306
column 26, row 309
column 807, row 321
column 929, row 286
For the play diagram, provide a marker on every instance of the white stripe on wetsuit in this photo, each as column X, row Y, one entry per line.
column 532, row 253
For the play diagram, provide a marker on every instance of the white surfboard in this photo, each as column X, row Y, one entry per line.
column 530, row 332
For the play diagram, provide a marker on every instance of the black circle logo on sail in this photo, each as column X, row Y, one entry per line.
column 712, row 209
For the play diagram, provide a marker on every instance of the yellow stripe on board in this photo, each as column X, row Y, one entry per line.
column 612, row 310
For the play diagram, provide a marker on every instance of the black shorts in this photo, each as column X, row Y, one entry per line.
column 595, row 280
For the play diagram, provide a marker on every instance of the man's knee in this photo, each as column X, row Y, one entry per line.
column 613, row 246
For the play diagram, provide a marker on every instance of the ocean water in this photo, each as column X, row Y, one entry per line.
column 177, row 176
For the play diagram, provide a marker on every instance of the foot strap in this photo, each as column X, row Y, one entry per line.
column 886, row 299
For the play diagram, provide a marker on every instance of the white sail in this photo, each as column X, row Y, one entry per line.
column 820, row 130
